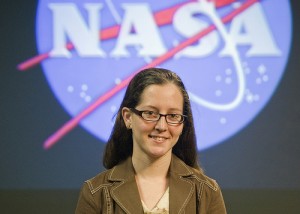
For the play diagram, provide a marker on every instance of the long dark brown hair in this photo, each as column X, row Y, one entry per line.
column 120, row 146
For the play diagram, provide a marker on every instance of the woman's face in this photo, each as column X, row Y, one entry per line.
column 155, row 139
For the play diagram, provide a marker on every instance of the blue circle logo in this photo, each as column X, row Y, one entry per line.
column 230, row 54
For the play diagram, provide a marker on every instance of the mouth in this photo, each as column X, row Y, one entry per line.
column 158, row 138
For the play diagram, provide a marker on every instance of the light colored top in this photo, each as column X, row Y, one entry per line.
column 162, row 206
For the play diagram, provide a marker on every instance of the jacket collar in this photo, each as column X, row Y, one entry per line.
column 125, row 192
column 181, row 190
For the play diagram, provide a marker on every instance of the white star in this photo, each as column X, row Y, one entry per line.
column 261, row 69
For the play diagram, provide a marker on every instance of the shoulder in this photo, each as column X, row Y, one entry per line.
column 208, row 192
column 110, row 177
column 99, row 181
column 91, row 193
column 200, row 178
column 197, row 176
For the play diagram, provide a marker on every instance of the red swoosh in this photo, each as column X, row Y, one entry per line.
column 75, row 120
column 163, row 17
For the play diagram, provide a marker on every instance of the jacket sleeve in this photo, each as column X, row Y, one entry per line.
column 86, row 202
column 216, row 205
column 210, row 199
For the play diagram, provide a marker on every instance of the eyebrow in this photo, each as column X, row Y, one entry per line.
column 171, row 109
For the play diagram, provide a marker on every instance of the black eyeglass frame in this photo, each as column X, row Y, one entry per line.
column 140, row 113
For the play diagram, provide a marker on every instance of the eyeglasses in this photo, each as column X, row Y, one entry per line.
column 153, row 116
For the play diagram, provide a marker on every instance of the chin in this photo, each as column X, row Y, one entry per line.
column 158, row 153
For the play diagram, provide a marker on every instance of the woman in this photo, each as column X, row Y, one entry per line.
column 151, row 155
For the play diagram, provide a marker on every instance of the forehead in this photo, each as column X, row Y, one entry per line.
column 162, row 96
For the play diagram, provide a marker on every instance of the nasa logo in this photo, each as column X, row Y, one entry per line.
column 230, row 54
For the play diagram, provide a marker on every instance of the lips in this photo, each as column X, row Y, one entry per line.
column 158, row 138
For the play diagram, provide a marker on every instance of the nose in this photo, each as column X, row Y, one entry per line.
column 161, row 124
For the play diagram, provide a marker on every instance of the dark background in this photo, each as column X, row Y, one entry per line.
column 258, row 168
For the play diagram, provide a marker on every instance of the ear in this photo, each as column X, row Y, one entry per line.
column 127, row 117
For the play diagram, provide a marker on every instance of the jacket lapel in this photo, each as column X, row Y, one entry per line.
column 125, row 191
column 181, row 190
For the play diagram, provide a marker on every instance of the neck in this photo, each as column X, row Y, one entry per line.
column 148, row 167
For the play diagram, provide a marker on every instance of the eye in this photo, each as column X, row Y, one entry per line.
column 174, row 117
column 150, row 114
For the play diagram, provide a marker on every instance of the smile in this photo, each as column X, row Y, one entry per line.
column 158, row 138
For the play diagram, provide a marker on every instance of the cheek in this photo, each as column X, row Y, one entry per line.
column 140, row 126
column 176, row 131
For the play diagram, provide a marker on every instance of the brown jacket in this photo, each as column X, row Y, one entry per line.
column 115, row 191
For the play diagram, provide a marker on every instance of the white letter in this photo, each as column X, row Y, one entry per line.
column 251, row 29
column 68, row 23
column 138, row 29
column 188, row 25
